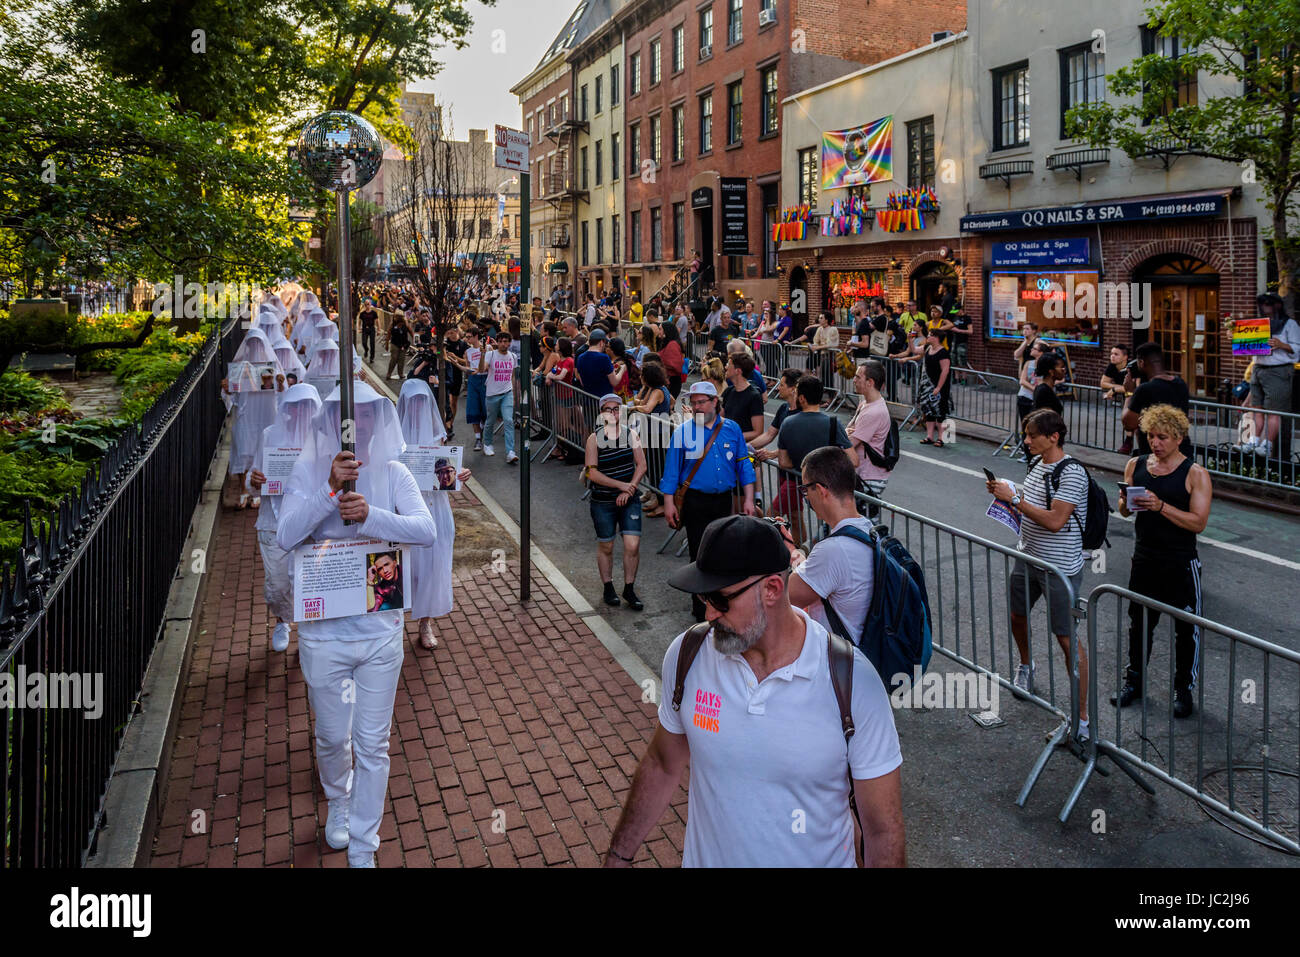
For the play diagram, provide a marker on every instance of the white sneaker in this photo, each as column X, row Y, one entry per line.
column 488, row 450
column 367, row 861
column 1264, row 448
column 511, row 458
column 280, row 637
column 1247, row 446
column 1084, row 733
column 336, row 824
column 1024, row 680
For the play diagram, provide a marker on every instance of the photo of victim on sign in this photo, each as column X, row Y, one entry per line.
column 434, row 467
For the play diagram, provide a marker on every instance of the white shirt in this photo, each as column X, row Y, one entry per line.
column 472, row 356
column 769, row 764
column 842, row 570
column 1290, row 334
column 591, row 313
column 501, row 371
column 1064, row 548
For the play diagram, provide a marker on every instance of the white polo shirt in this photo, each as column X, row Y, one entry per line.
column 769, row 764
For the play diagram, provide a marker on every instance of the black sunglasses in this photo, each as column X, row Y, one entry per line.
column 803, row 487
column 721, row 602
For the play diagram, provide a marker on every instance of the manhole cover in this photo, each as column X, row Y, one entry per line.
column 1248, row 799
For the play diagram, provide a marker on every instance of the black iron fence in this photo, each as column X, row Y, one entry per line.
column 82, row 610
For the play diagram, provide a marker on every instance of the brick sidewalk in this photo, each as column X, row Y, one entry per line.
column 521, row 711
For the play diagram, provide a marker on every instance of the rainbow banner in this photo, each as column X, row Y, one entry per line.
column 854, row 157
column 1250, row 337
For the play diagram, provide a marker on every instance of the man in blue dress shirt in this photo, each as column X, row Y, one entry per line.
column 709, row 493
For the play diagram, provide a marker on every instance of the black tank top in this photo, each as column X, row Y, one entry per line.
column 1157, row 537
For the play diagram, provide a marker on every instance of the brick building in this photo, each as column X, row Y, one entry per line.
column 702, row 119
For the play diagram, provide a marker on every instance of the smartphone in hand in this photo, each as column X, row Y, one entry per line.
column 990, row 476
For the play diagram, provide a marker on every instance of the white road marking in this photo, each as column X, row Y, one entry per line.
column 1204, row 539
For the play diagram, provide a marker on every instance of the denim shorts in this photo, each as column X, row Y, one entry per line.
column 476, row 399
column 610, row 517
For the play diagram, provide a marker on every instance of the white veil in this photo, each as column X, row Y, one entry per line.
column 295, row 419
column 255, row 348
column 378, row 441
column 325, row 360
column 418, row 414
column 289, row 360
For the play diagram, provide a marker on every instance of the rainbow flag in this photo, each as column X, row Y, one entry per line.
column 863, row 154
column 1250, row 337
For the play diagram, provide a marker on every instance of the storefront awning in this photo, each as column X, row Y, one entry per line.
column 1204, row 203
column 560, row 266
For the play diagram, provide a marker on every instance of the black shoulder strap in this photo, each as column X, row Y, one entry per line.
column 691, row 642
column 840, row 653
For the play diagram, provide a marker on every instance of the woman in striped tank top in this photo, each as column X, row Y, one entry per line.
column 615, row 465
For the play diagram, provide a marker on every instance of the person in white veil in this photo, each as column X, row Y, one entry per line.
column 326, row 328
column 430, row 567
column 271, row 323
column 292, row 429
column 351, row 665
column 325, row 360
column 304, row 330
column 329, row 345
column 301, row 303
column 294, row 370
column 254, row 409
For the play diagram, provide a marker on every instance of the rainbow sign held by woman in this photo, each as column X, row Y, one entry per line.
column 863, row 154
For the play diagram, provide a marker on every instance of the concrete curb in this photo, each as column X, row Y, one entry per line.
column 133, row 803
column 605, row 634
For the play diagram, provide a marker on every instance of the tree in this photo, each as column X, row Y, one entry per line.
column 1250, row 48
column 440, row 209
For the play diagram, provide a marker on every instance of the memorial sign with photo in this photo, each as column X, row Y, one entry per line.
column 435, row 467
column 346, row 577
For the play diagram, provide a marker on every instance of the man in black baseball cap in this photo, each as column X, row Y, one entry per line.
column 736, row 550
column 757, row 716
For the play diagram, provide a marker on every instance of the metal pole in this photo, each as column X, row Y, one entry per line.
column 526, row 391
column 347, row 423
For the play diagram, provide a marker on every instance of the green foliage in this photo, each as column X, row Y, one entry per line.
column 85, row 440
column 24, row 394
column 42, row 479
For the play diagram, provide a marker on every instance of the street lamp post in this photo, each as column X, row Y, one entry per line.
column 341, row 152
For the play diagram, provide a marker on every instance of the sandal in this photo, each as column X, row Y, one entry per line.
column 938, row 443
column 927, row 441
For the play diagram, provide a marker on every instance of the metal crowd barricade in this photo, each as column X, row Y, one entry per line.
column 1218, row 431
column 1238, row 755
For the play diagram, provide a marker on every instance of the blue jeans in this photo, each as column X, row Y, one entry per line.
column 500, row 407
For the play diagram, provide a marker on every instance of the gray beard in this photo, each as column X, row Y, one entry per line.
column 730, row 642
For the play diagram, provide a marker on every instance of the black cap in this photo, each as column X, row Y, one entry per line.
column 733, row 549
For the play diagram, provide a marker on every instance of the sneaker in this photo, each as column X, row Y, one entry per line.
column 280, row 637
column 631, row 598
column 1127, row 695
column 488, row 450
column 1246, row 447
column 1126, row 448
column 336, row 824
column 511, row 458
column 367, row 860
column 478, row 444
column 1024, row 680
column 1264, row 448
column 1183, row 707
column 1084, row 732
column 611, row 596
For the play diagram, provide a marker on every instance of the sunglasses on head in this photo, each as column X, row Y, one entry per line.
column 722, row 603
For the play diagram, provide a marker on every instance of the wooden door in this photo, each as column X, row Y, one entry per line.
column 1184, row 320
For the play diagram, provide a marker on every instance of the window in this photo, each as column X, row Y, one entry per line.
column 583, row 156
column 656, row 68
column 679, row 133
column 706, row 33
column 634, row 74
column 656, row 234
column 614, row 168
column 733, row 113
column 808, row 177
column 920, row 152
column 706, row 122
column 467, row 230
column 1083, row 79
column 1011, row 106
column 564, row 108
column 634, row 237
column 614, row 238
column 771, row 105
column 582, row 100
column 679, row 48
column 600, row 161
column 600, row 241
column 734, row 12
column 485, row 229
column 433, row 232
column 769, row 8
column 599, row 83
column 634, row 150
column 770, row 218
column 656, row 140
column 585, row 258
column 679, row 230
column 735, row 267
column 614, row 87
column 1171, row 47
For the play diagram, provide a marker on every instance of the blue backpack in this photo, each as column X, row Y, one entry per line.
column 896, row 634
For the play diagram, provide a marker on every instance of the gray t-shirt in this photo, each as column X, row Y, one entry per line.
column 805, row 432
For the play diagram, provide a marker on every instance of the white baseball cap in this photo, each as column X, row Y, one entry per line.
column 704, row 388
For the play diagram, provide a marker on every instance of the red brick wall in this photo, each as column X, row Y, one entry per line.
column 868, row 31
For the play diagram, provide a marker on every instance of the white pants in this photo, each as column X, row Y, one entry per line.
column 351, row 685
column 277, row 567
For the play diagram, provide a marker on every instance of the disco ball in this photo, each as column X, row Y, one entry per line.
column 327, row 144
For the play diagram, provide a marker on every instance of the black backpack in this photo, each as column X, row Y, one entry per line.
column 887, row 457
column 1094, row 529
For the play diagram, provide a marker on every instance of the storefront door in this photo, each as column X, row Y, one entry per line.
column 1185, row 321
